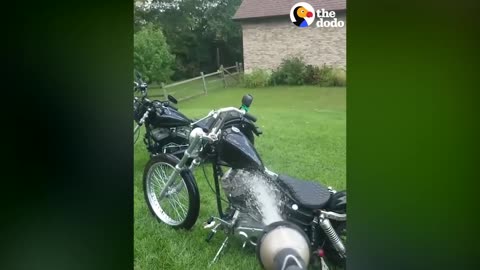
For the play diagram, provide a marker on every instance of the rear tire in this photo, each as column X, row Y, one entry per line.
column 178, row 209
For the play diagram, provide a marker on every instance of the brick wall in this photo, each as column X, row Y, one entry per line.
column 267, row 41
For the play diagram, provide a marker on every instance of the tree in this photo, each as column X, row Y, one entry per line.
column 151, row 54
column 194, row 30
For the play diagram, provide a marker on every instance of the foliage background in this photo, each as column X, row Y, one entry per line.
column 151, row 54
column 193, row 31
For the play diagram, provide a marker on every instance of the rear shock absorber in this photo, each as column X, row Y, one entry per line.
column 332, row 235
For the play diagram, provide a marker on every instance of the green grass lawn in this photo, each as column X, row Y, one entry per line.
column 304, row 136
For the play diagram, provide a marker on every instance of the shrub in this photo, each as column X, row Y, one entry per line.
column 277, row 77
column 257, row 78
column 291, row 71
column 325, row 76
column 312, row 75
column 339, row 77
column 151, row 54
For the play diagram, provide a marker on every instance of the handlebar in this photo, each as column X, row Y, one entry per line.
column 215, row 114
column 144, row 117
column 140, row 87
column 209, row 127
column 250, row 117
column 146, row 105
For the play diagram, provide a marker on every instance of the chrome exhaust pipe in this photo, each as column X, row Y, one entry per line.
column 283, row 246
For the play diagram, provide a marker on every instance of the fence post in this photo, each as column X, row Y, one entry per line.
column 240, row 72
column 204, row 83
column 223, row 76
column 237, row 65
column 165, row 95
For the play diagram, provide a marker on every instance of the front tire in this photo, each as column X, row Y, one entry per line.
column 180, row 206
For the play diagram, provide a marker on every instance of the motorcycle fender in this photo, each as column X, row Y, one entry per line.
column 338, row 202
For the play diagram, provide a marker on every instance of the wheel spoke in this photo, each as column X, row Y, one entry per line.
column 156, row 185
column 158, row 175
column 164, row 174
column 174, row 208
column 181, row 206
column 174, row 211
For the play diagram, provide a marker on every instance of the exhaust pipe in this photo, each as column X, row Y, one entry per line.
column 283, row 246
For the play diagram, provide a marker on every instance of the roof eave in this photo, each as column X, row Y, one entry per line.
column 272, row 16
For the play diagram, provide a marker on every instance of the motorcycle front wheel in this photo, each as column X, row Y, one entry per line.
column 179, row 208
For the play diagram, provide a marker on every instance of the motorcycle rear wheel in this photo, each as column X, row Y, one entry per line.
column 180, row 207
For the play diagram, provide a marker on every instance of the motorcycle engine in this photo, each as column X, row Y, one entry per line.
column 169, row 140
column 246, row 194
column 158, row 134
column 239, row 193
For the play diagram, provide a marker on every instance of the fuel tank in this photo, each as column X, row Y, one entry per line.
column 168, row 117
column 236, row 150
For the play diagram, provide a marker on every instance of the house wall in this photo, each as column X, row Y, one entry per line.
column 267, row 41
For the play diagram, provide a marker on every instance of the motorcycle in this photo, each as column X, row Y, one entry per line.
column 167, row 129
column 313, row 215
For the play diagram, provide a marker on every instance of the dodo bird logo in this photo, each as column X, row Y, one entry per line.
column 302, row 14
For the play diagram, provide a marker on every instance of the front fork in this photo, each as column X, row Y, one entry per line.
column 181, row 166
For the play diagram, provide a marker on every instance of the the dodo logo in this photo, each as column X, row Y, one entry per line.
column 302, row 14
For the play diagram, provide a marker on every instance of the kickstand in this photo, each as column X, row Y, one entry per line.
column 222, row 247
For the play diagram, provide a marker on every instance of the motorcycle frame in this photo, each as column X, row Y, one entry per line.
column 217, row 170
column 197, row 138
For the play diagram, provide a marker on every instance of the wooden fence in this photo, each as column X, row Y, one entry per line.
column 224, row 74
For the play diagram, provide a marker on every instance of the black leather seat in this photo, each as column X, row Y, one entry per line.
column 309, row 194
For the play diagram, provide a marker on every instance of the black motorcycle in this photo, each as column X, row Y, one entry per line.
column 304, row 223
column 167, row 129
